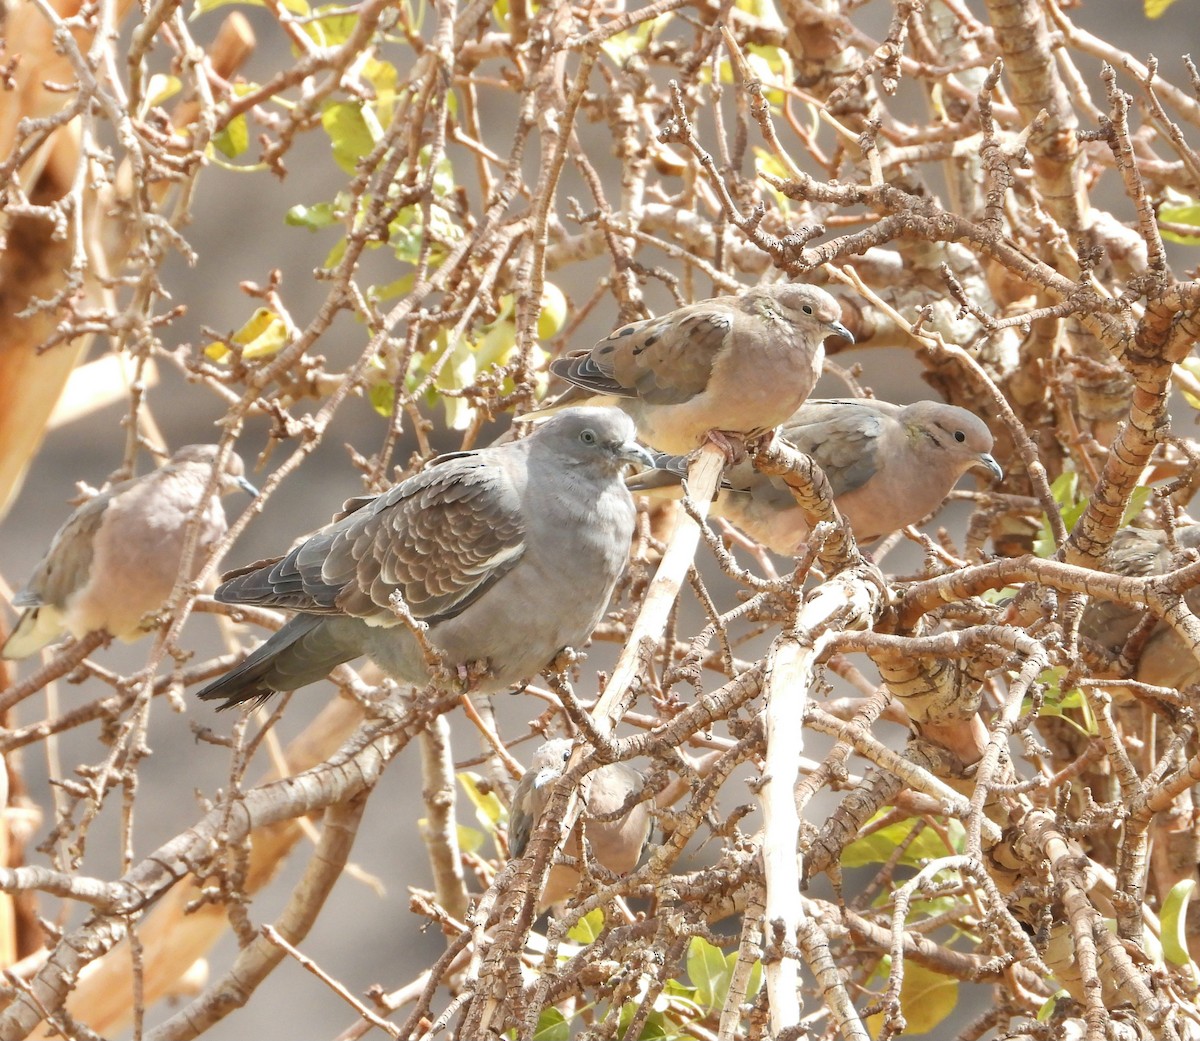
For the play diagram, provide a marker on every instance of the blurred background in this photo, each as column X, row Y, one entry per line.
column 362, row 936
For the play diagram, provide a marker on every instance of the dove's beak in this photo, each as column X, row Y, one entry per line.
column 837, row 329
column 635, row 455
column 246, row 486
column 986, row 459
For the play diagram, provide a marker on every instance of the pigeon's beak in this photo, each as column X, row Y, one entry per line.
column 246, row 486
column 634, row 454
column 837, row 329
column 986, row 459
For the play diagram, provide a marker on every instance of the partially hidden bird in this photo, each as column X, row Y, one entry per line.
column 730, row 366
column 115, row 561
column 616, row 845
column 506, row 554
column 888, row 465
column 1165, row 659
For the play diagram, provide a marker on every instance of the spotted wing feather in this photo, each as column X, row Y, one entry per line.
column 440, row 539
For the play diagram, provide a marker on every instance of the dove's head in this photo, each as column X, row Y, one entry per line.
column 809, row 308
column 550, row 760
column 952, row 434
column 205, row 457
column 593, row 436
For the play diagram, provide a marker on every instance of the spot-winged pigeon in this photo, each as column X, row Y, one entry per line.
column 508, row 554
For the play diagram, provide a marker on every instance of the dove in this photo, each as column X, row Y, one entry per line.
column 889, row 465
column 507, row 554
column 1165, row 660
column 116, row 559
column 730, row 366
column 616, row 844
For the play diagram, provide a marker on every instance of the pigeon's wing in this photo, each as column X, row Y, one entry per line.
column 663, row 361
column 440, row 539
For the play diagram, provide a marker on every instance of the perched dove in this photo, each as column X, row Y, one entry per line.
column 116, row 559
column 889, row 465
column 1165, row 660
column 616, row 844
column 733, row 365
column 508, row 554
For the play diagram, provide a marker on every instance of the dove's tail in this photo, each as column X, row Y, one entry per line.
column 302, row 652
column 36, row 628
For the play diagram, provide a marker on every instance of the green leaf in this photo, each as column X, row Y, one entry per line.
column 1187, row 214
column 406, row 233
column 382, row 397
column 1155, row 8
column 234, row 139
column 1137, row 503
column 1065, row 705
column 882, row 843
column 1174, row 922
column 709, row 971
column 318, row 215
column 1045, row 1013
column 263, row 335
column 1065, row 490
column 588, row 928
column 552, row 1025
column 553, row 314
column 351, row 131
column 655, row 1028
column 383, row 77
column 331, row 29
column 391, row 290
column 756, row 980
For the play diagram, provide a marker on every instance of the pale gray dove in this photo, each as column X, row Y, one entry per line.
column 889, row 465
column 116, row 559
column 1165, row 660
column 732, row 365
column 616, row 844
column 508, row 554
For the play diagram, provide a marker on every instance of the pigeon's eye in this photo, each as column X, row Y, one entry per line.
column 588, row 437
column 566, row 755
column 959, row 436
column 807, row 309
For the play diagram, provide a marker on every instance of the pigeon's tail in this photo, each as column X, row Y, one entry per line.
column 302, row 652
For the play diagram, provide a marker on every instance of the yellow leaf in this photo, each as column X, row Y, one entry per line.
column 1155, row 8
column 260, row 337
column 926, row 998
column 1192, row 367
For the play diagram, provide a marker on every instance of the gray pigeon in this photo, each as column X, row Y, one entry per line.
column 617, row 844
column 732, row 365
column 889, row 465
column 116, row 559
column 508, row 554
column 1165, row 660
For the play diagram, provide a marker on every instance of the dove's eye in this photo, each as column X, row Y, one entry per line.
column 959, row 436
column 807, row 309
column 588, row 437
